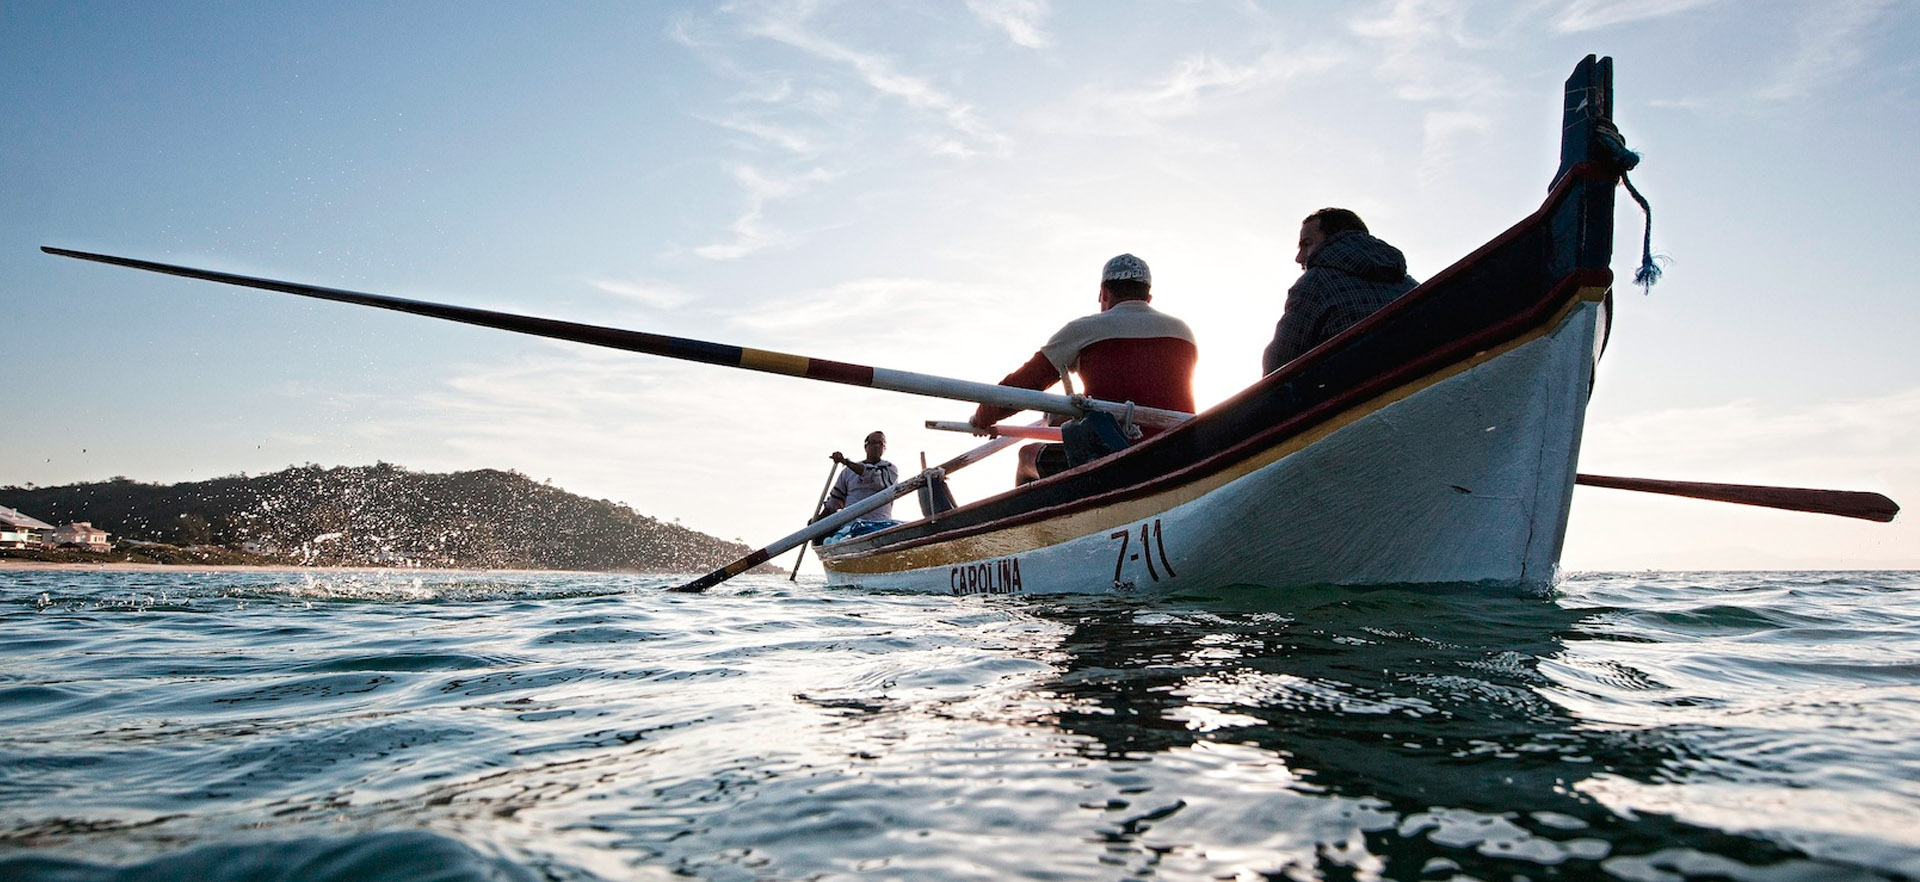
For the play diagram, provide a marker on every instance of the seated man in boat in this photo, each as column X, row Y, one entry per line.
column 1128, row 351
column 859, row 480
column 1348, row 276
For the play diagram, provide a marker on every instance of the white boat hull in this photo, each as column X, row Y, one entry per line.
column 1465, row 476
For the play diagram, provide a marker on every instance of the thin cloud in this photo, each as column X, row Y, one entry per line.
column 1416, row 39
column 906, row 302
column 1199, row 74
column 659, row 295
column 879, row 74
column 684, row 29
column 939, row 146
column 1443, row 133
column 1196, row 84
column 750, row 231
column 1415, row 21
column 785, row 139
column 1022, row 20
column 749, row 236
column 809, row 110
column 1580, row 16
column 1832, row 42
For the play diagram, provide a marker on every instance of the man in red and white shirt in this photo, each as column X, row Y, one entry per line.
column 1128, row 351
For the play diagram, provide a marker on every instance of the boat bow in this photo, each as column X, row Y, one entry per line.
column 1433, row 442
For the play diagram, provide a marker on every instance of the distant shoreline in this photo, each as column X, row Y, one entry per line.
column 15, row 565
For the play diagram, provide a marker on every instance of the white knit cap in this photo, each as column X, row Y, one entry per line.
column 1126, row 268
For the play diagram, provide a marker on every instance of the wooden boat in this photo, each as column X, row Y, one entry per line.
column 1434, row 442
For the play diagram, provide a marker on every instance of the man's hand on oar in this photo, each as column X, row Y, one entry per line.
column 853, row 466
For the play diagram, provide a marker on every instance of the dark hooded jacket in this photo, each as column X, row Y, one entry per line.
column 1349, row 277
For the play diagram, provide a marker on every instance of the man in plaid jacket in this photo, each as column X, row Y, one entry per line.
column 1349, row 275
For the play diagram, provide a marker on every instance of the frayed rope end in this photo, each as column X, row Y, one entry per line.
column 1649, row 271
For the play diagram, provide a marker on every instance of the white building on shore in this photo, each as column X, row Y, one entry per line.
column 19, row 530
column 81, row 534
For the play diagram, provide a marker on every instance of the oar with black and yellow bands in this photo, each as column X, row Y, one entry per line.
column 675, row 347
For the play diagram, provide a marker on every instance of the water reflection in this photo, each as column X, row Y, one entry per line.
column 789, row 733
column 1418, row 719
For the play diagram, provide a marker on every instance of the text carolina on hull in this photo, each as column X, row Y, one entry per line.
column 1434, row 442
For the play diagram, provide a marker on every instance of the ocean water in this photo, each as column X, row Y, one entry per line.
column 449, row 726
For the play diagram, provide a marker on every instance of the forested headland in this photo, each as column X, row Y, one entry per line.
column 378, row 515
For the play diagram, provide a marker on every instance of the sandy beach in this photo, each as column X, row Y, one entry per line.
column 8, row 565
column 127, row 567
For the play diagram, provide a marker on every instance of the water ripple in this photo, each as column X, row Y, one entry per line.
column 164, row 725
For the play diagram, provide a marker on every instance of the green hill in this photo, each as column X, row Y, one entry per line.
column 384, row 515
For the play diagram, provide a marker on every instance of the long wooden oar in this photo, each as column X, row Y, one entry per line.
column 675, row 347
column 828, row 525
column 1844, row 503
column 832, row 470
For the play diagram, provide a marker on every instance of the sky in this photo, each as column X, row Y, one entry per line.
column 929, row 187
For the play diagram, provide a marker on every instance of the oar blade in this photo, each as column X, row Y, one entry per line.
column 724, row 573
column 1859, row 504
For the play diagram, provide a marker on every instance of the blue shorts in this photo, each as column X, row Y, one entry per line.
column 861, row 528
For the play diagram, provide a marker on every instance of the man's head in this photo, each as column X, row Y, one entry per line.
column 1125, row 278
column 1323, row 225
column 876, row 445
